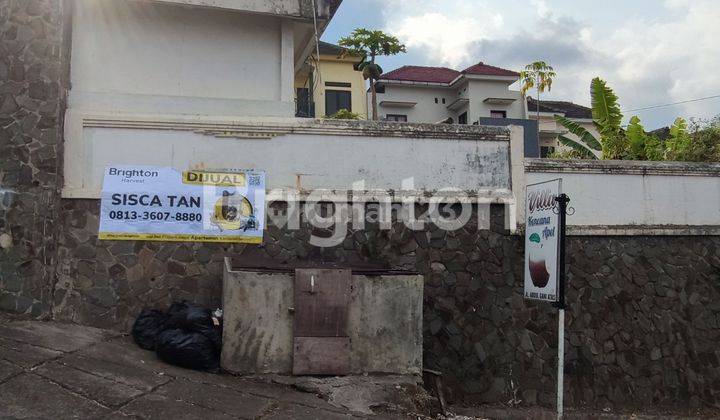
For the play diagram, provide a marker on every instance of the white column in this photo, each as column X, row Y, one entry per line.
column 287, row 61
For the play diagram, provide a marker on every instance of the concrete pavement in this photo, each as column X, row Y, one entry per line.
column 53, row 370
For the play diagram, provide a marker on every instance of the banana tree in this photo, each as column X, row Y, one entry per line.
column 607, row 119
column 370, row 44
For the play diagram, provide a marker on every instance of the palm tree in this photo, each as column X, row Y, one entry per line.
column 538, row 75
column 370, row 44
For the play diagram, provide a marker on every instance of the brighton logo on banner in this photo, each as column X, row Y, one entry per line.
column 162, row 204
column 542, row 241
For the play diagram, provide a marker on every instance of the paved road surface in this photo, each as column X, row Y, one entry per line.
column 54, row 370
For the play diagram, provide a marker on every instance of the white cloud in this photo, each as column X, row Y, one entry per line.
column 446, row 39
column 444, row 30
column 669, row 61
column 543, row 10
column 664, row 55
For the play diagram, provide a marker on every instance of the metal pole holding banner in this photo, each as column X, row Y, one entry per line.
column 546, row 208
column 562, row 201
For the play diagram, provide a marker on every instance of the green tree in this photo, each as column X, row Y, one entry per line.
column 678, row 145
column 538, row 75
column 705, row 144
column 641, row 145
column 699, row 142
column 607, row 118
column 371, row 44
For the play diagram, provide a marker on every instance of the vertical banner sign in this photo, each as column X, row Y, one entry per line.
column 542, row 241
column 162, row 204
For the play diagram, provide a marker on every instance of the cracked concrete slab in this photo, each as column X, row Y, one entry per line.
column 103, row 390
column 52, row 335
column 24, row 354
column 156, row 406
column 8, row 369
column 265, row 387
column 99, row 374
column 284, row 411
column 31, row 396
column 136, row 358
column 224, row 400
column 125, row 374
column 358, row 393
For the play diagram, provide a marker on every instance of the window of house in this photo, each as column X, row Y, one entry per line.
column 462, row 118
column 436, row 101
column 335, row 100
column 396, row 117
column 443, row 100
column 498, row 114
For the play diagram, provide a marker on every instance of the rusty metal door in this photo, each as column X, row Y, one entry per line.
column 321, row 344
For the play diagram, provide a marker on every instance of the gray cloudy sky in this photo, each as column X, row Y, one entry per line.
column 650, row 51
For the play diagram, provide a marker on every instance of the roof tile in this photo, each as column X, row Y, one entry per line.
column 422, row 74
column 487, row 70
column 442, row 74
column 569, row 109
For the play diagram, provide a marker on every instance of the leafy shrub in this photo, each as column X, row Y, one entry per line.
column 344, row 114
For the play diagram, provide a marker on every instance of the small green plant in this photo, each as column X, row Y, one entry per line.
column 344, row 114
column 567, row 154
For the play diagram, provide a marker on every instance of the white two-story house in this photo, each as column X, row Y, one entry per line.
column 550, row 129
column 440, row 94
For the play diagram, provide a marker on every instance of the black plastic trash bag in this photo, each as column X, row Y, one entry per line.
column 177, row 315
column 187, row 335
column 201, row 321
column 148, row 325
column 188, row 349
column 189, row 317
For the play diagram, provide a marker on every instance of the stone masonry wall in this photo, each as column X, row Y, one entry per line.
column 644, row 312
column 641, row 330
column 32, row 80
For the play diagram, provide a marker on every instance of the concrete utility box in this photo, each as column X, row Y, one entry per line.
column 384, row 321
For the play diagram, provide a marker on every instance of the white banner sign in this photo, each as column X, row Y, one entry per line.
column 542, row 240
column 162, row 204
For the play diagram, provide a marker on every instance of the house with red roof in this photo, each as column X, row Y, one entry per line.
column 441, row 94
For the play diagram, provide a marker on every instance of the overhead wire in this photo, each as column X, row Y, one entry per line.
column 672, row 103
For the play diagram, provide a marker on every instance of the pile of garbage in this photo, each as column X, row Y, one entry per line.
column 186, row 335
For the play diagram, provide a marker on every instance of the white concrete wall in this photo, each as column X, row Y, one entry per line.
column 298, row 157
column 479, row 90
column 621, row 197
column 131, row 56
column 285, row 7
column 426, row 110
